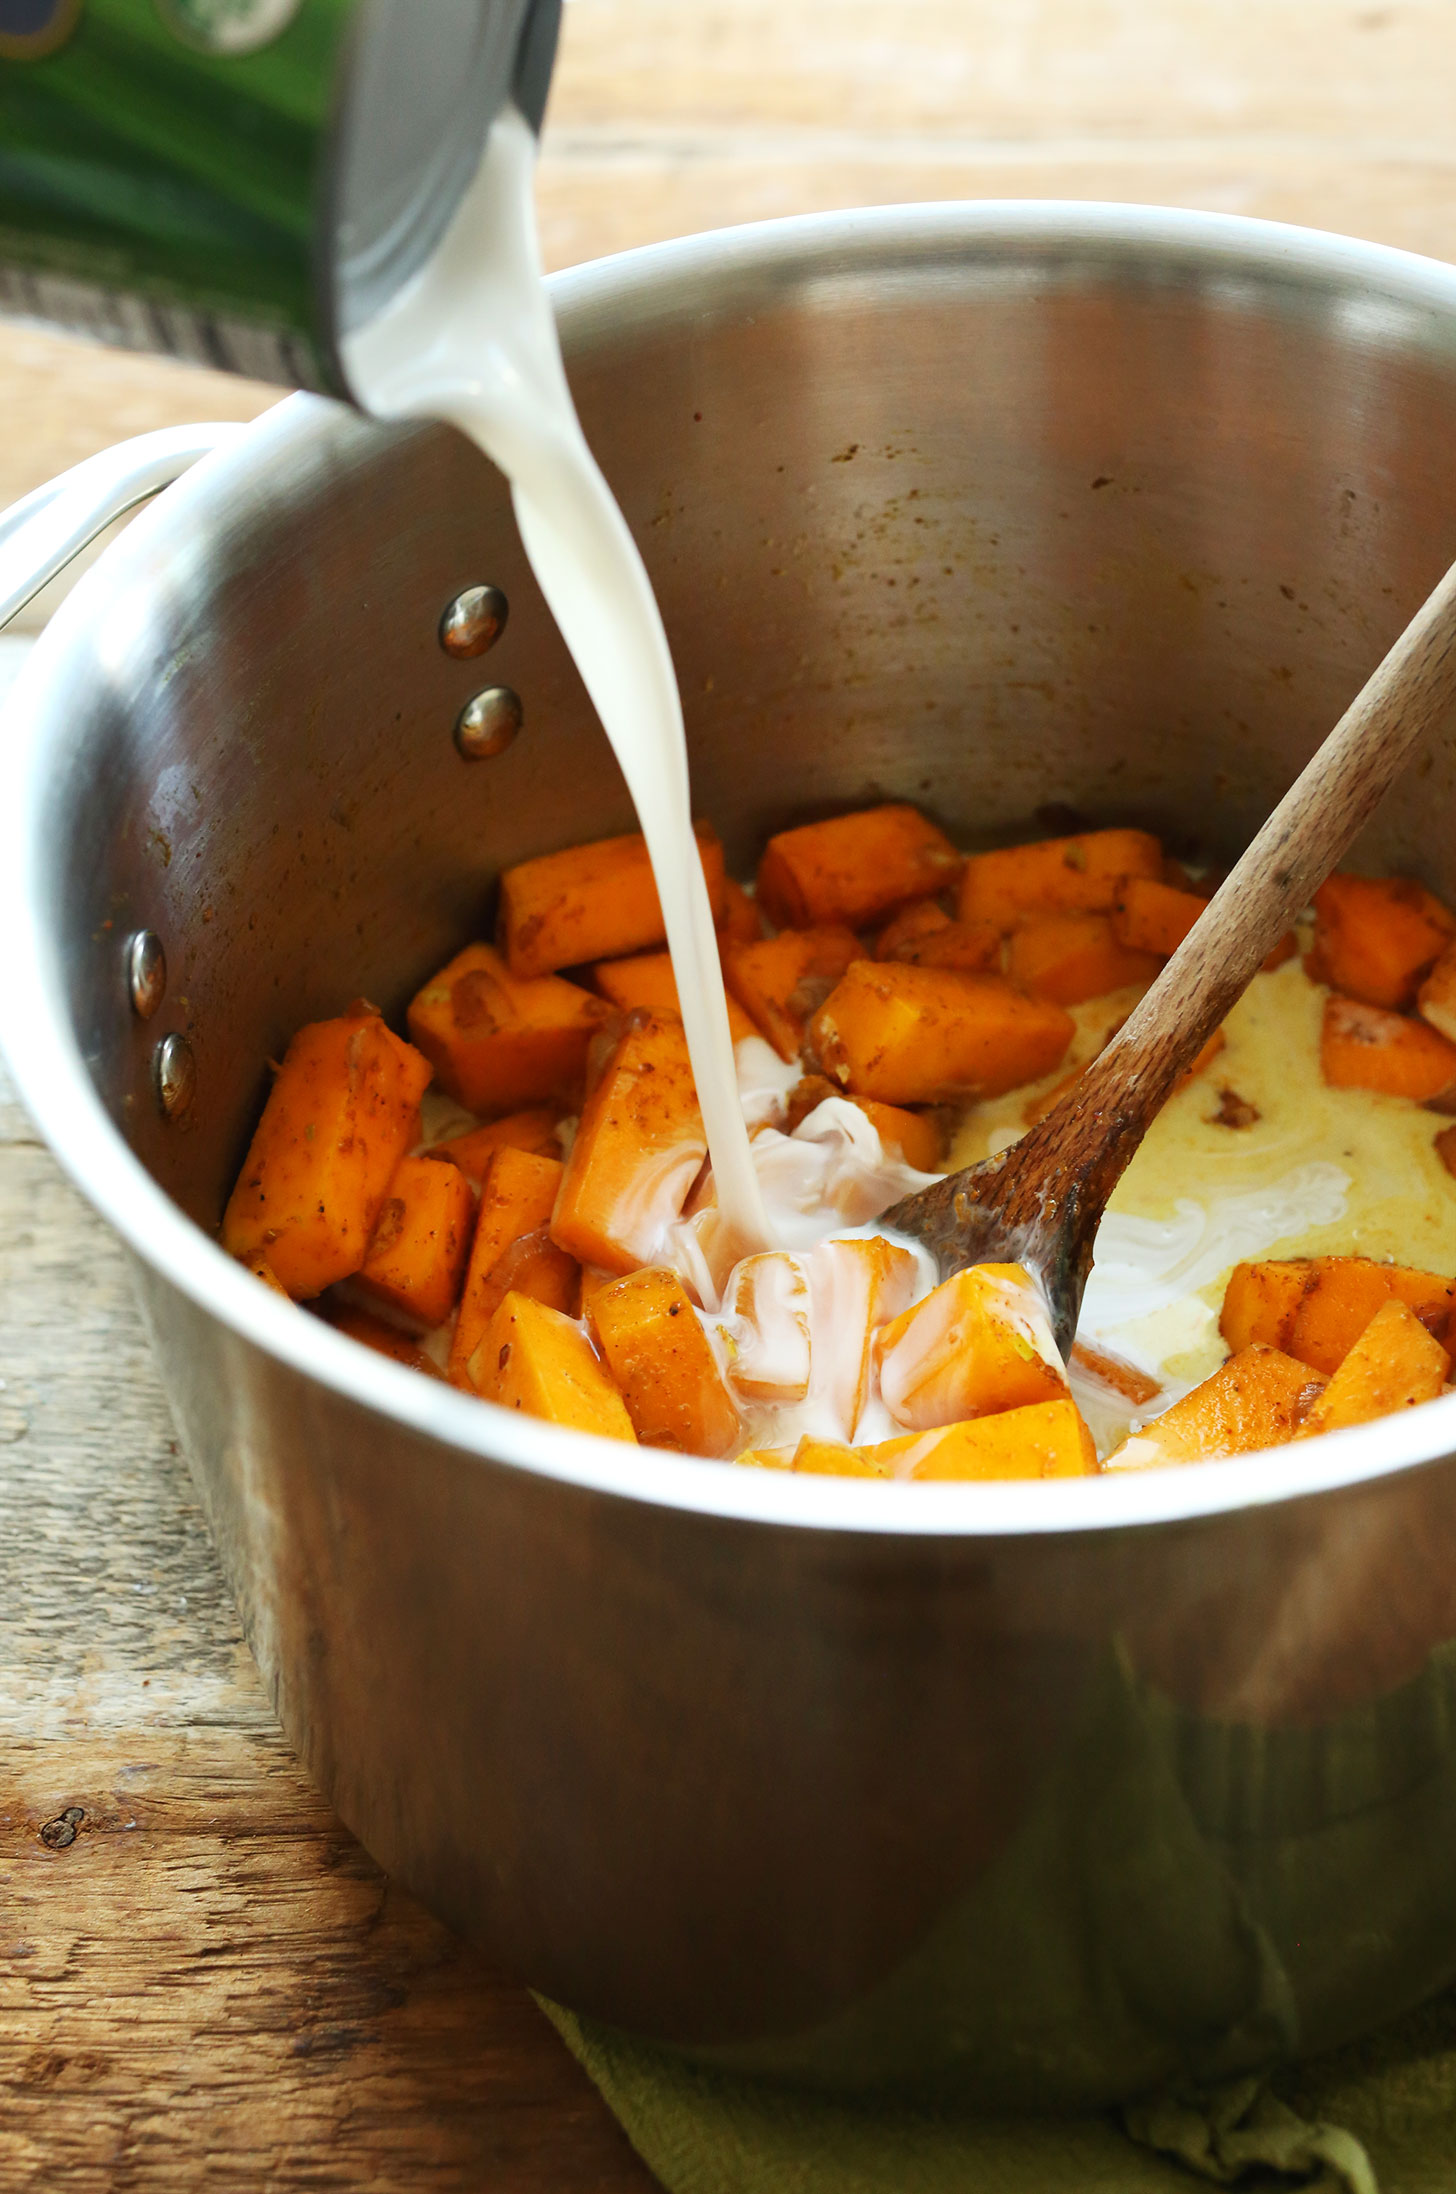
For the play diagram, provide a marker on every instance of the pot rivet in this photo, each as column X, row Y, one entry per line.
column 488, row 723
column 474, row 622
column 175, row 1071
column 146, row 973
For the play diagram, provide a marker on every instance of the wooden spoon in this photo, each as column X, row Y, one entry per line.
column 1040, row 1202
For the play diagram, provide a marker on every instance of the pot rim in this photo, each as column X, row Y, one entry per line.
column 621, row 295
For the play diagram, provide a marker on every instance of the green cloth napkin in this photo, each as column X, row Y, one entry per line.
column 1117, row 1923
column 1376, row 2118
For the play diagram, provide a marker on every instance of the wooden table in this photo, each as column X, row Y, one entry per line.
column 202, row 1978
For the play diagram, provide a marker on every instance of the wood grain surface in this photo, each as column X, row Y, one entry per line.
column 203, row 1980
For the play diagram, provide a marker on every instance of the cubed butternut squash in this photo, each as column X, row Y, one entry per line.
column 1043, row 1440
column 646, row 981
column 769, row 1332
column 517, row 1198
column 1039, row 1440
column 593, row 902
column 1375, row 937
column 857, row 1287
column 917, row 1035
column 927, row 937
column 853, row 868
column 535, row 1129
column 741, row 921
column 260, row 1268
column 530, row 1265
column 914, row 1137
column 780, row 981
column 1154, row 916
column 663, row 1363
column 766, row 1458
column 1436, row 998
column 1083, row 874
column 1259, row 1398
column 637, row 1151
column 497, row 1041
column 385, row 1339
column 1316, row 1308
column 968, row 945
column 1365, row 1047
column 342, row 1112
column 1072, row 957
column 1393, row 1365
column 979, row 1343
column 832, row 1459
column 535, row 1359
column 421, row 1239
column 908, row 927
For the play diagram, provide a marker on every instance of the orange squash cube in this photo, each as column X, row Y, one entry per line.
column 916, row 1138
column 909, row 927
column 1153, row 916
column 421, row 1239
column 1394, row 1365
column 646, row 982
column 663, row 1363
column 517, row 1198
column 531, row 1265
column 1084, row 874
column 779, row 981
column 535, row 1359
column 260, row 1268
column 498, row 1042
column 1364, row 1047
column 918, row 1035
column 1437, row 996
column 854, row 868
column 534, row 1130
column 1375, row 937
column 830, row 1459
column 1316, row 1308
column 1259, row 1398
column 638, row 1149
column 385, row 1339
column 979, row 1343
column 592, row 902
column 857, row 1287
column 1039, row 1440
column 770, row 1308
column 741, row 923
column 343, row 1110
column 1072, row 957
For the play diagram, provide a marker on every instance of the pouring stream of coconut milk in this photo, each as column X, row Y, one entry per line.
column 471, row 339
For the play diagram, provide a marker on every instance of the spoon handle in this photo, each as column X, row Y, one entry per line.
column 1410, row 694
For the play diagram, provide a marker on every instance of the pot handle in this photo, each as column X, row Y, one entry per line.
column 41, row 533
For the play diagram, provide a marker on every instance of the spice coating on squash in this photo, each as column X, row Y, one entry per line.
column 917, row 1035
column 592, row 902
column 497, row 1041
column 638, row 1149
column 663, row 1363
column 343, row 1110
column 854, row 868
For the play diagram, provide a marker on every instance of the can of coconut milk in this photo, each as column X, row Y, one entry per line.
column 245, row 182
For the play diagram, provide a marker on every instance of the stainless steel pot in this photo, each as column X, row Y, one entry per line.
column 1041, row 1793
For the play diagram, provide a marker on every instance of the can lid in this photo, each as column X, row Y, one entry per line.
column 421, row 87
